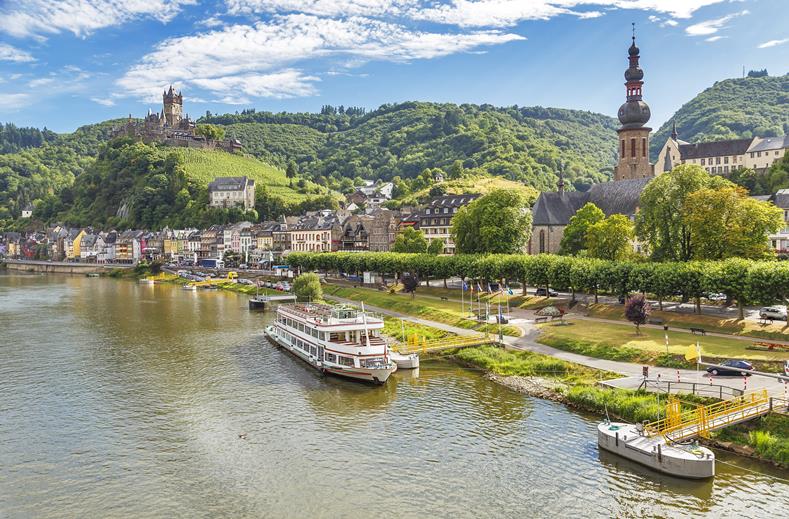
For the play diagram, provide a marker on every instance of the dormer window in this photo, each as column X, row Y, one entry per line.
column 427, row 211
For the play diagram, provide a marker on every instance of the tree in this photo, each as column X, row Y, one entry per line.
column 637, row 310
column 574, row 238
column 499, row 222
column 410, row 240
column 410, row 282
column 307, row 287
column 610, row 238
column 211, row 132
column 727, row 223
column 292, row 170
column 435, row 247
column 660, row 224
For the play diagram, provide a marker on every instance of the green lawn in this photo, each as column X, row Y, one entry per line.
column 778, row 330
column 447, row 312
column 620, row 342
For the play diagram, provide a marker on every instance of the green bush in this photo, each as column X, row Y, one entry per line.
column 307, row 287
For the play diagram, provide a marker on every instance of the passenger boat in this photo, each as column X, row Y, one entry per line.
column 339, row 340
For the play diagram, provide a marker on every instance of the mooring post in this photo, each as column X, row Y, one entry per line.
column 659, row 454
column 617, row 438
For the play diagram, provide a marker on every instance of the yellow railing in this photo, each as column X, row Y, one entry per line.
column 700, row 421
column 417, row 344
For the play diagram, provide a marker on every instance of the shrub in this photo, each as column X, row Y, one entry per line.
column 307, row 287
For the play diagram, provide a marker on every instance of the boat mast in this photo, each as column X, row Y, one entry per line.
column 364, row 320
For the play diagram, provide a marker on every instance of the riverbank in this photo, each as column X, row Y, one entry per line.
column 542, row 376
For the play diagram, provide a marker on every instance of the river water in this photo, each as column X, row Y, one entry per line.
column 126, row 400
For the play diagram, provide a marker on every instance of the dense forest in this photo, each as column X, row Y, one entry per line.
column 732, row 109
column 403, row 140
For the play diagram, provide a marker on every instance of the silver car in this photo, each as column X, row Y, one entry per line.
column 773, row 312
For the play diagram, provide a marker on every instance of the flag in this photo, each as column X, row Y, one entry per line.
column 692, row 353
column 479, row 287
column 465, row 286
column 509, row 291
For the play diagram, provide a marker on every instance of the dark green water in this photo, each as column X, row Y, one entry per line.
column 126, row 400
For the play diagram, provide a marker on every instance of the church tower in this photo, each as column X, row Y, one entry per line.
column 173, row 107
column 634, row 114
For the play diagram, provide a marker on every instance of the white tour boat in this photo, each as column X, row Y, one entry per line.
column 340, row 340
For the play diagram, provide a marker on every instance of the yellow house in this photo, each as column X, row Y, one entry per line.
column 73, row 243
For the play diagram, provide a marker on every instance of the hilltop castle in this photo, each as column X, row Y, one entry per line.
column 171, row 126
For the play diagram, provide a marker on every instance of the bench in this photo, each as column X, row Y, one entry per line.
column 538, row 320
column 701, row 331
column 445, row 299
column 656, row 320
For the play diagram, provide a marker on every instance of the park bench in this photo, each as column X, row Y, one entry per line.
column 444, row 298
column 701, row 331
column 538, row 320
column 656, row 320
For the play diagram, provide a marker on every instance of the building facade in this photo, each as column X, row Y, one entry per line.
column 232, row 192
column 435, row 219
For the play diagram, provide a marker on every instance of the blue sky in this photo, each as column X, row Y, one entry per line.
column 65, row 63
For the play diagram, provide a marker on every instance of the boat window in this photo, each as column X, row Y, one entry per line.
column 346, row 361
column 314, row 351
column 330, row 357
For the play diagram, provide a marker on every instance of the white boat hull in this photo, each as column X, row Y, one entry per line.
column 404, row 361
column 676, row 460
column 373, row 375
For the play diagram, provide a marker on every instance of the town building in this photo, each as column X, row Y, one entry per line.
column 435, row 219
column 723, row 157
column 356, row 233
column 27, row 211
column 383, row 229
column 318, row 231
column 232, row 192
column 779, row 241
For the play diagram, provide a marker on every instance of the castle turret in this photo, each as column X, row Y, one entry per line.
column 633, row 114
column 173, row 107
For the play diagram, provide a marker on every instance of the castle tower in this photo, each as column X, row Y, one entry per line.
column 173, row 107
column 634, row 114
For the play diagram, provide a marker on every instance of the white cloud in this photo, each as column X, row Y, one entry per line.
column 14, row 101
column 773, row 43
column 715, row 38
column 466, row 13
column 251, row 59
column 104, row 101
column 44, row 81
column 709, row 27
column 38, row 18
column 9, row 53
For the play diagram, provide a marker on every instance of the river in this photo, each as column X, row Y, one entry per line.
column 125, row 400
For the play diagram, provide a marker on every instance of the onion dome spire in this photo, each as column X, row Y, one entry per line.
column 635, row 112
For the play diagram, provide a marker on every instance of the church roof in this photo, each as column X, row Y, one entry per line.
column 714, row 149
column 617, row 197
column 771, row 143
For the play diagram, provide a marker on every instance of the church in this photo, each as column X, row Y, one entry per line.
column 552, row 211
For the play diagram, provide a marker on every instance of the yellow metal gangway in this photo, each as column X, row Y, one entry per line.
column 232, row 277
column 416, row 344
column 679, row 425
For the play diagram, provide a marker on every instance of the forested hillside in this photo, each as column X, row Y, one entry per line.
column 732, row 109
column 402, row 140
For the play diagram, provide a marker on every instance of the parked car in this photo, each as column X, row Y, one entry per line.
column 246, row 282
column 773, row 312
column 278, row 286
column 623, row 298
column 735, row 365
column 243, row 266
column 546, row 292
column 286, row 286
column 716, row 297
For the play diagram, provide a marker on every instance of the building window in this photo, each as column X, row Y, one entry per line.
column 702, row 162
column 622, row 154
column 643, row 147
column 725, row 169
column 542, row 242
column 725, row 160
column 717, row 160
column 632, row 147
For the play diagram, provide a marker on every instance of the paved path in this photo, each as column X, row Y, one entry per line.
column 632, row 371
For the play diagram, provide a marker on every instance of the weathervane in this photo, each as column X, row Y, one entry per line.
column 634, row 30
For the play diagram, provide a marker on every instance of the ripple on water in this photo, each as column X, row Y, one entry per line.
column 129, row 400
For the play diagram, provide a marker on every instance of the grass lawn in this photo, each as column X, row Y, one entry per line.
column 394, row 327
column 447, row 312
column 779, row 330
column 619, row 342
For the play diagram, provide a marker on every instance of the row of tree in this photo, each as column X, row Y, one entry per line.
column 743, row 281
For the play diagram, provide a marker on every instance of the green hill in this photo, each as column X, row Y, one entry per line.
column 202, row 166
column 402, row 140
column 469, row 185
column 731, row 109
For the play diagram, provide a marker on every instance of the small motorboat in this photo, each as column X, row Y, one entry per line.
column 404, row 361
column 257, row 303
column 189, row 286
